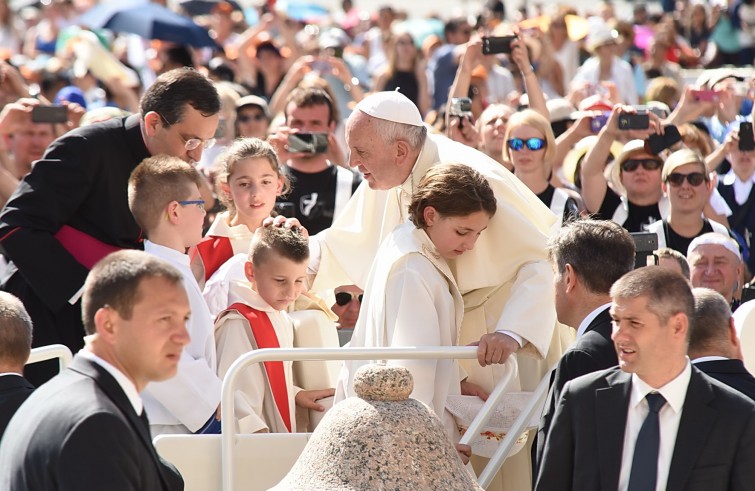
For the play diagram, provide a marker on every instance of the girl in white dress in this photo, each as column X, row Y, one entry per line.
column 411, row 297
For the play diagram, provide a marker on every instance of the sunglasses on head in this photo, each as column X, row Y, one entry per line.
column 343, row 298
column 533, row 144
column 631, row 165
column 693, row 178
column 245, row 118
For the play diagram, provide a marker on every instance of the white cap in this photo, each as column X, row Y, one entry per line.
column 715, row 239
column 391, row 106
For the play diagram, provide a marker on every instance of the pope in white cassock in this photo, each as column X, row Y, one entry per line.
column 506, row 282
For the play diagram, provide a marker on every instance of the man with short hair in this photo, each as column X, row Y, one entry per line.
column 715, row 263
column 320, row 187
column 15, row 347
column 72, row 209
column 86, row 428
column 714, row 346
column 441, row 68
column 655, row 422
column 588, row 256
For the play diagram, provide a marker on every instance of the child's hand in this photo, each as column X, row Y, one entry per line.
column 308, row 398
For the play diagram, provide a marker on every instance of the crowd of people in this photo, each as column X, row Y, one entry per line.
column 566, row 188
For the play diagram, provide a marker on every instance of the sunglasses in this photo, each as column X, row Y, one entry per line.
column 343, row 298
column 533, row 144
column 245, row 118
column 631, row 165
column 694, row 179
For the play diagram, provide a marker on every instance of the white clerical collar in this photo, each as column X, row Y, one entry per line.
column 166, row 253
column 126, row 384
column 674, row 391
column 589, row 318
column 709, row 358
column 730, row 178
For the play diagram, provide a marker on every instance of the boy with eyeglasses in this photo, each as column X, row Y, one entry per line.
column 687, row 184
column 163, row 196
column 265, row 395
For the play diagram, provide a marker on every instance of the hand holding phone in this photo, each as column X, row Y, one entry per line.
column 311, row 143
column 705, row 95
column 634, row 121
column 655, row 143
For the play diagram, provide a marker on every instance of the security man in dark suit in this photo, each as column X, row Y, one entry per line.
column 714, row 345
column 72, row 209
column 655, row 422
column 15, row 347
column 86, row 428
column 588, row 256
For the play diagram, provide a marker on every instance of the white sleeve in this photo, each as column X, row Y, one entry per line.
column 232, row 340
column 412, row 319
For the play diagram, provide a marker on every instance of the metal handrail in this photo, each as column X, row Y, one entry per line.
column 520, row 424
column 228, row 432
column 44, row 353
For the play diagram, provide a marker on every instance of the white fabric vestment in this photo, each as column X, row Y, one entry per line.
column 216, row 291
column 255, row 407
column 411, row 299
column 184, row 403
column 506, row 280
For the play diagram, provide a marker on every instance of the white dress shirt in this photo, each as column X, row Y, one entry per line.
column 184, row 403
column 126, row 384
column 590, row 317
column 669, row 417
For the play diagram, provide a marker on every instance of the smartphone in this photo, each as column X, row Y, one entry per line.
column 338, row 52
column 53, row 113
column 321, row 66
column 598, row 122
column 746, row 137
column 645, row 244
column 655, row 144
column 705, row 95
column 637, row 121
column 494, row 45
column 311, row 143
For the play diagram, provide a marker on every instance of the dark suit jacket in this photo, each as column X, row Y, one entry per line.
column 715, row 445
column 593, row 351
column 80, row 431
column 730, row 372
column 14, row 390
column 80, row 182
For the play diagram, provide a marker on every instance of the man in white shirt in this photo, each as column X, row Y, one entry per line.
column 588, row 256
column 654, row 423
column 86, row 428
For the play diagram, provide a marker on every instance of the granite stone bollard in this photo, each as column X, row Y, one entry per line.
column 380, row 440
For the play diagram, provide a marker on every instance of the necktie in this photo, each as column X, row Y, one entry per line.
column 645, row 462
column 145, row 420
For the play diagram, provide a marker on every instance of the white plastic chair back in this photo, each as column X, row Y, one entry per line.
column 261, row 460
column 50, row 352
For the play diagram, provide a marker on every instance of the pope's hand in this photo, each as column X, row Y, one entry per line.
column 495, row 348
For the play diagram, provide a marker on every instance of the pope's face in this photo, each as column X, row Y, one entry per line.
column 375, row 158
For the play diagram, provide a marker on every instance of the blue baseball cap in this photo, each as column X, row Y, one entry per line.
column 71, row 93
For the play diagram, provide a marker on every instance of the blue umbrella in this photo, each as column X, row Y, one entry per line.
column 303, row 10
column 205, row 7
column 420, row 29
column 148, row 20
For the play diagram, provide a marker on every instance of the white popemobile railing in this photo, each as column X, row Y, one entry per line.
column 44, row 353
column 228, row 437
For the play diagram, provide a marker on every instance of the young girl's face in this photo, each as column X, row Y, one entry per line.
column 454, row 235
column 253, row 186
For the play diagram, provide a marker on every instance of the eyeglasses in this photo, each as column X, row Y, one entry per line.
column 343, row 298
column 191, row 143
column 198, row 202
column 631, row 165
column 694, row 178
column 533, row 144
column 245, row 118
